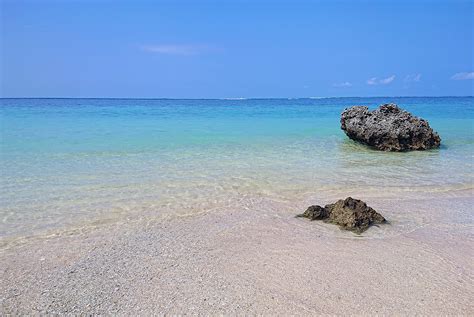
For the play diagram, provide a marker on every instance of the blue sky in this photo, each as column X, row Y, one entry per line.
column 219, row 49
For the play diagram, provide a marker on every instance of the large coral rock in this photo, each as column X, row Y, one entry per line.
column 388, row 128
column 350, row 214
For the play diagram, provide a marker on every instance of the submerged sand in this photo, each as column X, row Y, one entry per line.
column 254, row 259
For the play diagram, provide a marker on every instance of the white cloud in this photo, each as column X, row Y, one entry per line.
column 372, row 81
column 387, row 80
column 413, row 78
column 175, row 49
column 343, row 85
column 383, row 81
column 463, row 76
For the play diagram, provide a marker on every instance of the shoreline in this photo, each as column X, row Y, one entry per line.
column 257, row 259
column 295, row 204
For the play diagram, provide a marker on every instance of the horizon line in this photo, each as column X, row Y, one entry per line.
column 239, row 98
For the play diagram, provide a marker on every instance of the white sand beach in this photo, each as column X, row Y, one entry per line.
column 257, row 259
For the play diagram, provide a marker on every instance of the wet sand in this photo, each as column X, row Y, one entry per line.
column 254, row 259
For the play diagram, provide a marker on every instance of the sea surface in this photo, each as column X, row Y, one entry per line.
column 77, row 163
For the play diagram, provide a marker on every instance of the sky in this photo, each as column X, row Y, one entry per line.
column 233, row 49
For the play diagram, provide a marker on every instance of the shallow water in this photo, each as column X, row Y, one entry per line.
column 68, row 163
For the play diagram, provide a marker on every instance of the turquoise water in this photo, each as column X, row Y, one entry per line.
column 69, row 163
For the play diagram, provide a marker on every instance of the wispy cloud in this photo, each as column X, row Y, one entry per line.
column 176, row 49
column 372, row 81
column 463, row 76
column 384, row 81
column 343, row 84
column 387, row 80
column 412, row 78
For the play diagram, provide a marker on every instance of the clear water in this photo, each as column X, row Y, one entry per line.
column 69, row 163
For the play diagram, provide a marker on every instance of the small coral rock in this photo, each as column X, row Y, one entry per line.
column 350, row 214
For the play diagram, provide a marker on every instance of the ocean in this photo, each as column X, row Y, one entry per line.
column 70, row 164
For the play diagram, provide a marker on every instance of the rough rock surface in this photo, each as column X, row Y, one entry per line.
column 350, row 214
column 388, row 128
